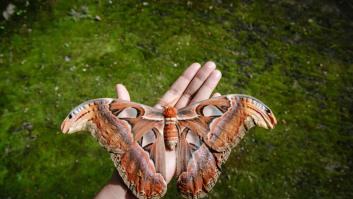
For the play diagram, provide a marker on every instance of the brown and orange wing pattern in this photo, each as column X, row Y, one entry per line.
column 144, row 176
column 219, row 131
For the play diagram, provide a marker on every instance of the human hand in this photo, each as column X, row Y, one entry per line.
column 195, row 84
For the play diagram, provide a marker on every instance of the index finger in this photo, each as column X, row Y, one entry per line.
column 171, row 97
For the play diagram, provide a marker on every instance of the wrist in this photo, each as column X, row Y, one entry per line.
column 115, row 188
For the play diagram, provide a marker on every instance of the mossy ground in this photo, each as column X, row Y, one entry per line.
column 296, row 56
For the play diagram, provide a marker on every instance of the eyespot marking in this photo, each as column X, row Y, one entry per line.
column 129, row 112
column 211, row 110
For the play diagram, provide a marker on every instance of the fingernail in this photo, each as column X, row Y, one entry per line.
column 217, row 74
column 210, row 64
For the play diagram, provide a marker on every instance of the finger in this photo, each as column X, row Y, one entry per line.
column 122, row 92
column 199, row 79
column 174, row 93
column 216, row 95
column 206, row 89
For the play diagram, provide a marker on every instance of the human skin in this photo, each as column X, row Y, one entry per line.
column 195, row 84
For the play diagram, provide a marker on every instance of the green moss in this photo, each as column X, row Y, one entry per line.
column 295, row 57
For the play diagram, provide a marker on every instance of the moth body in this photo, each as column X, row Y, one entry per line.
column 170, row 127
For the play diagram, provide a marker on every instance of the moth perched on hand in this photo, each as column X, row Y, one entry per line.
column 218, row 123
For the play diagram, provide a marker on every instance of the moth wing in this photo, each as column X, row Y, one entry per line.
column 144, row 176
column 219, row 132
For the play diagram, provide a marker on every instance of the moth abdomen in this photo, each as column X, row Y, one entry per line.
column 170, row 135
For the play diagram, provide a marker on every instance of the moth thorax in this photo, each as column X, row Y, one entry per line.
column 169, row 112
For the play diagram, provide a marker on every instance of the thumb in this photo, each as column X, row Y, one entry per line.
column 122, row 92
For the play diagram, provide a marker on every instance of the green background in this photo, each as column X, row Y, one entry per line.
column 296, row 56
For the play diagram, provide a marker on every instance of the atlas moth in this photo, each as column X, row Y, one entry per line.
column 143, row 167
